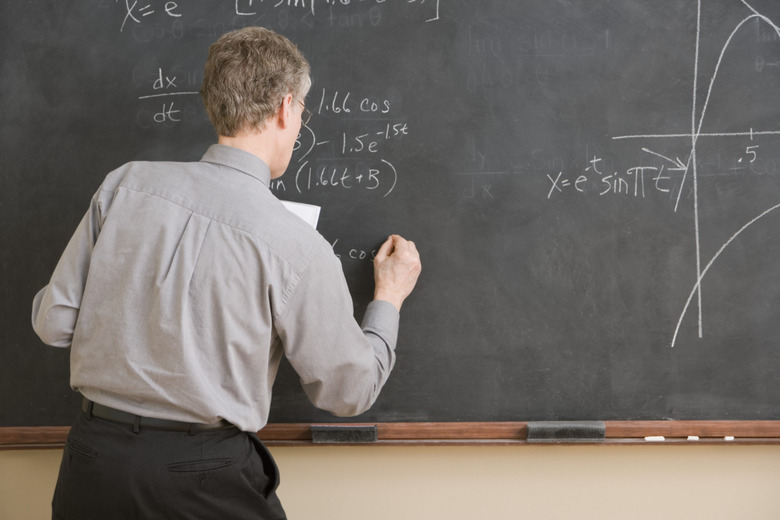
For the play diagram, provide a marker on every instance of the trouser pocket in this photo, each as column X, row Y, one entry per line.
column 270, row 468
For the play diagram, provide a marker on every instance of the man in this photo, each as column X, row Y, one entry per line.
column 178, row 294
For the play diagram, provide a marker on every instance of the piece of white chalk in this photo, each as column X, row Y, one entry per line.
column 728, row 438
column 693, row 437
column 655, row 438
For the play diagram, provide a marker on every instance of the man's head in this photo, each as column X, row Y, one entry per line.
column 247, row 75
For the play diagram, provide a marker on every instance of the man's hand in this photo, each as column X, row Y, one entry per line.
column 396, row 268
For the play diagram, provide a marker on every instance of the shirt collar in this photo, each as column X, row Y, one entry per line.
column 240, row 160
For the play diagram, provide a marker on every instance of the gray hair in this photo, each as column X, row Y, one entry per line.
column 247, row 74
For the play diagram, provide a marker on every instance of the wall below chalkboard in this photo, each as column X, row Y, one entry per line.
column 586, row 482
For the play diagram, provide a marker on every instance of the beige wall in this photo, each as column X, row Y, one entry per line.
column 459, row 483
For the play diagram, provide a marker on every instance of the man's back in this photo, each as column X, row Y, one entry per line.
column 191, row 262
column 190, row 276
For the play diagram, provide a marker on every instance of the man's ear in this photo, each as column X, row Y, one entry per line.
column 285, row 114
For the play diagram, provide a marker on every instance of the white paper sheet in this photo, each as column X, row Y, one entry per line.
column 308, row 212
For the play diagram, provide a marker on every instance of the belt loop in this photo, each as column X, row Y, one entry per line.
column 193, row 429
column 137, row 424
column 90, row 405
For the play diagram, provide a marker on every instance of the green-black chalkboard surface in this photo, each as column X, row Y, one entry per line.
column 593, row 186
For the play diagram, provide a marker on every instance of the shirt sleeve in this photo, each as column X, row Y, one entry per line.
column 56, row 307
column 342, row 366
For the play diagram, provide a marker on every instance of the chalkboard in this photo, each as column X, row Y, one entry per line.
column 593, row 186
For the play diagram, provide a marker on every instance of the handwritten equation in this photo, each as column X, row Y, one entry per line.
column 137, row 14
column 665, row 176
column 312, row 7
column 168, row 96
column 354, row 254
column 354, row 157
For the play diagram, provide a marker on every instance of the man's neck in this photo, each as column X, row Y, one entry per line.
column 247, row 142
column 259, row 144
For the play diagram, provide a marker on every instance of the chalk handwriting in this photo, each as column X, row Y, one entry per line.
column 353, row 157
column 167, row 109
column 312, row 7
column 371, row 141
column 345, row 102
column 360, row 254
column 380, row 176
column 336, row 13
column 636, row 181
column 134, row 12
column 482, row 182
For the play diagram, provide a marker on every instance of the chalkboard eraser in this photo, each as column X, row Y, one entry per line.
column 566, row 431
column 346, row 434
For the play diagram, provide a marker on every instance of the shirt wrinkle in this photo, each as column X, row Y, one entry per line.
column 292, row 286
column 178, row 247
column 209, row 215
column 199, row 249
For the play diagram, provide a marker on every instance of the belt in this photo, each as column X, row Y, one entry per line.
column 93, row 409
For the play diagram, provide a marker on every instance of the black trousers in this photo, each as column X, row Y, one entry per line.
column 108, row 471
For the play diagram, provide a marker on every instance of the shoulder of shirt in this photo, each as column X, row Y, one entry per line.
column 114, row 178
column 289, row 236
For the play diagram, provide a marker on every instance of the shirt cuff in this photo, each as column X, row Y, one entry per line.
column 382, row 318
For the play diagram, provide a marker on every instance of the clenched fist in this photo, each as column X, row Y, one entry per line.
column 396, row 268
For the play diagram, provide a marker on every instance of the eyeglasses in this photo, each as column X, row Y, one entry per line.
column 305, row 114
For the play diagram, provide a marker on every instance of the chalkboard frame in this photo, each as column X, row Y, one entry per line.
column 469, row 434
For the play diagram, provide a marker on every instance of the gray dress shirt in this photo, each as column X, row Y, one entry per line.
column 185, row 283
